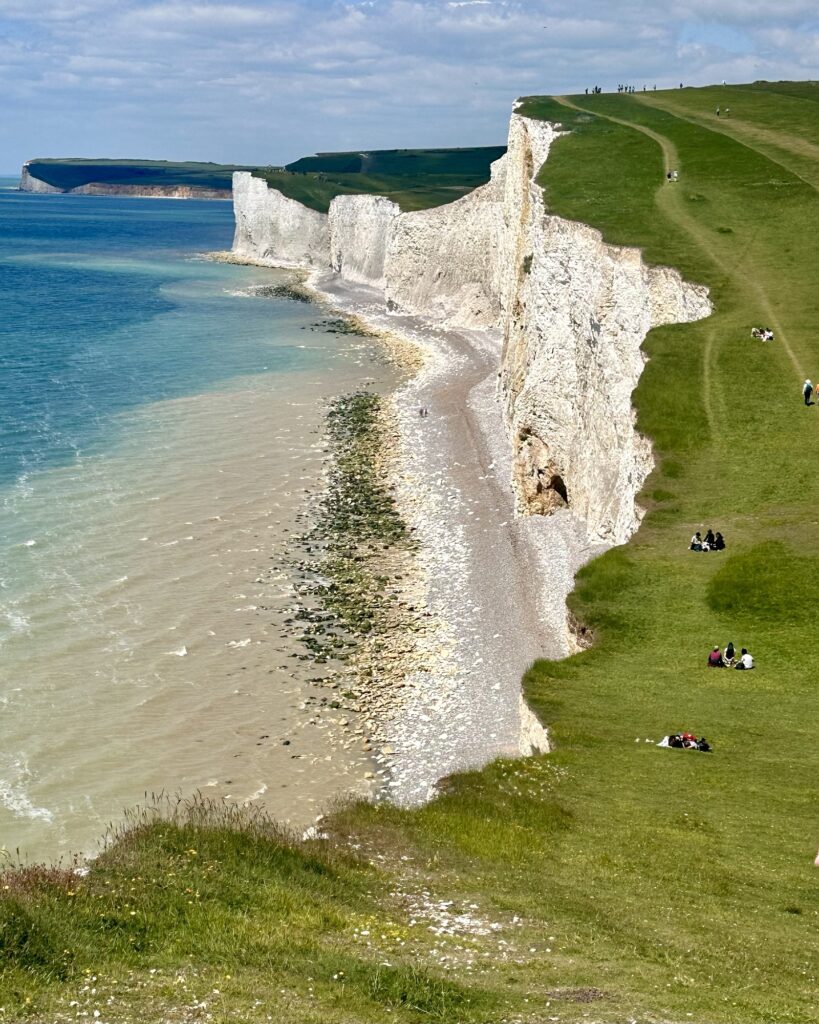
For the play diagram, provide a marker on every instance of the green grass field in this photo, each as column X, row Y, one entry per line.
column 610, row 880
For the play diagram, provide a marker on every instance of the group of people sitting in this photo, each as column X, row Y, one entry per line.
column 762, row 333
column 685, row 741
column 710, row 542
column 729, row 659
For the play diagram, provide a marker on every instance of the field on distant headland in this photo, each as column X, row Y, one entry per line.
column 610, row 880
column 414, row 178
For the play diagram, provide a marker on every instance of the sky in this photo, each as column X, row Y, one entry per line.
column 249, row 81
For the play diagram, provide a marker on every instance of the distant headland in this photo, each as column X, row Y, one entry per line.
column 413, row 178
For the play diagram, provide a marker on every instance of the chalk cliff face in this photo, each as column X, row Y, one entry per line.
column 440, row 262
column 360, row 229
column 269, row 226
column 572, row 310
column 574, row 314
column 102, row 188
column 28, row 183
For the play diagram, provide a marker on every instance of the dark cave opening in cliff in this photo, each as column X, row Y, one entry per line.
column 556, row 484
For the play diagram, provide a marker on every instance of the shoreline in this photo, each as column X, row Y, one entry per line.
column 490, row 584
column 494, row 582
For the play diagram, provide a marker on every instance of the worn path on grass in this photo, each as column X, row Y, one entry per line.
column 765, row 141
column 670, row 200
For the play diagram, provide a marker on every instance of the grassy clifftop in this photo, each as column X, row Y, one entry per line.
column 610, row 880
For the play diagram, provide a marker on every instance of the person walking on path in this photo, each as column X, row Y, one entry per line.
column 807, row 392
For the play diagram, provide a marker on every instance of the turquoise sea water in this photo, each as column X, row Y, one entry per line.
column 101, row 310
column 159, row 431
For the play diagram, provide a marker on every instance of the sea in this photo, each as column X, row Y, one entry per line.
column 161, row 432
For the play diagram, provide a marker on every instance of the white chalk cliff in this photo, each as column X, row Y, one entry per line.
column 572, row 310
column 28, row 183
column 269, row 226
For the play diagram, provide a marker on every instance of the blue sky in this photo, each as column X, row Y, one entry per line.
column 249, row 81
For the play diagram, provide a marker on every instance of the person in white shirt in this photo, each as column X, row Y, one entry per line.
column 746, row 661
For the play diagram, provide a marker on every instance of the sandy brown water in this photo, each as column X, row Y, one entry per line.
column 154, row 656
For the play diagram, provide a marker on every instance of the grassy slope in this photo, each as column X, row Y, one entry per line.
column 676, row 886
column 415, row 179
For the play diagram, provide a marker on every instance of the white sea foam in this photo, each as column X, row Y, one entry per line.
column 18, row 623
column 13, row 796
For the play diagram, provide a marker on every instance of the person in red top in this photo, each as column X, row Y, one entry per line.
column 715, row 659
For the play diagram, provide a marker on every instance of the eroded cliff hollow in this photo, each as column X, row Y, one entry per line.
column 572, row 312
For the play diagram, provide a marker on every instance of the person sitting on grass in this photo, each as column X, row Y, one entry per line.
column 746, row 661
column 696, row 542
column 729, row 657
column 715, row 659
column 685, row 741
column 719, row 542
column 709, row 538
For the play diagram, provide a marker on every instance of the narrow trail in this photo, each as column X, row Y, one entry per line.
column 745, row 135
column 669, row 200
